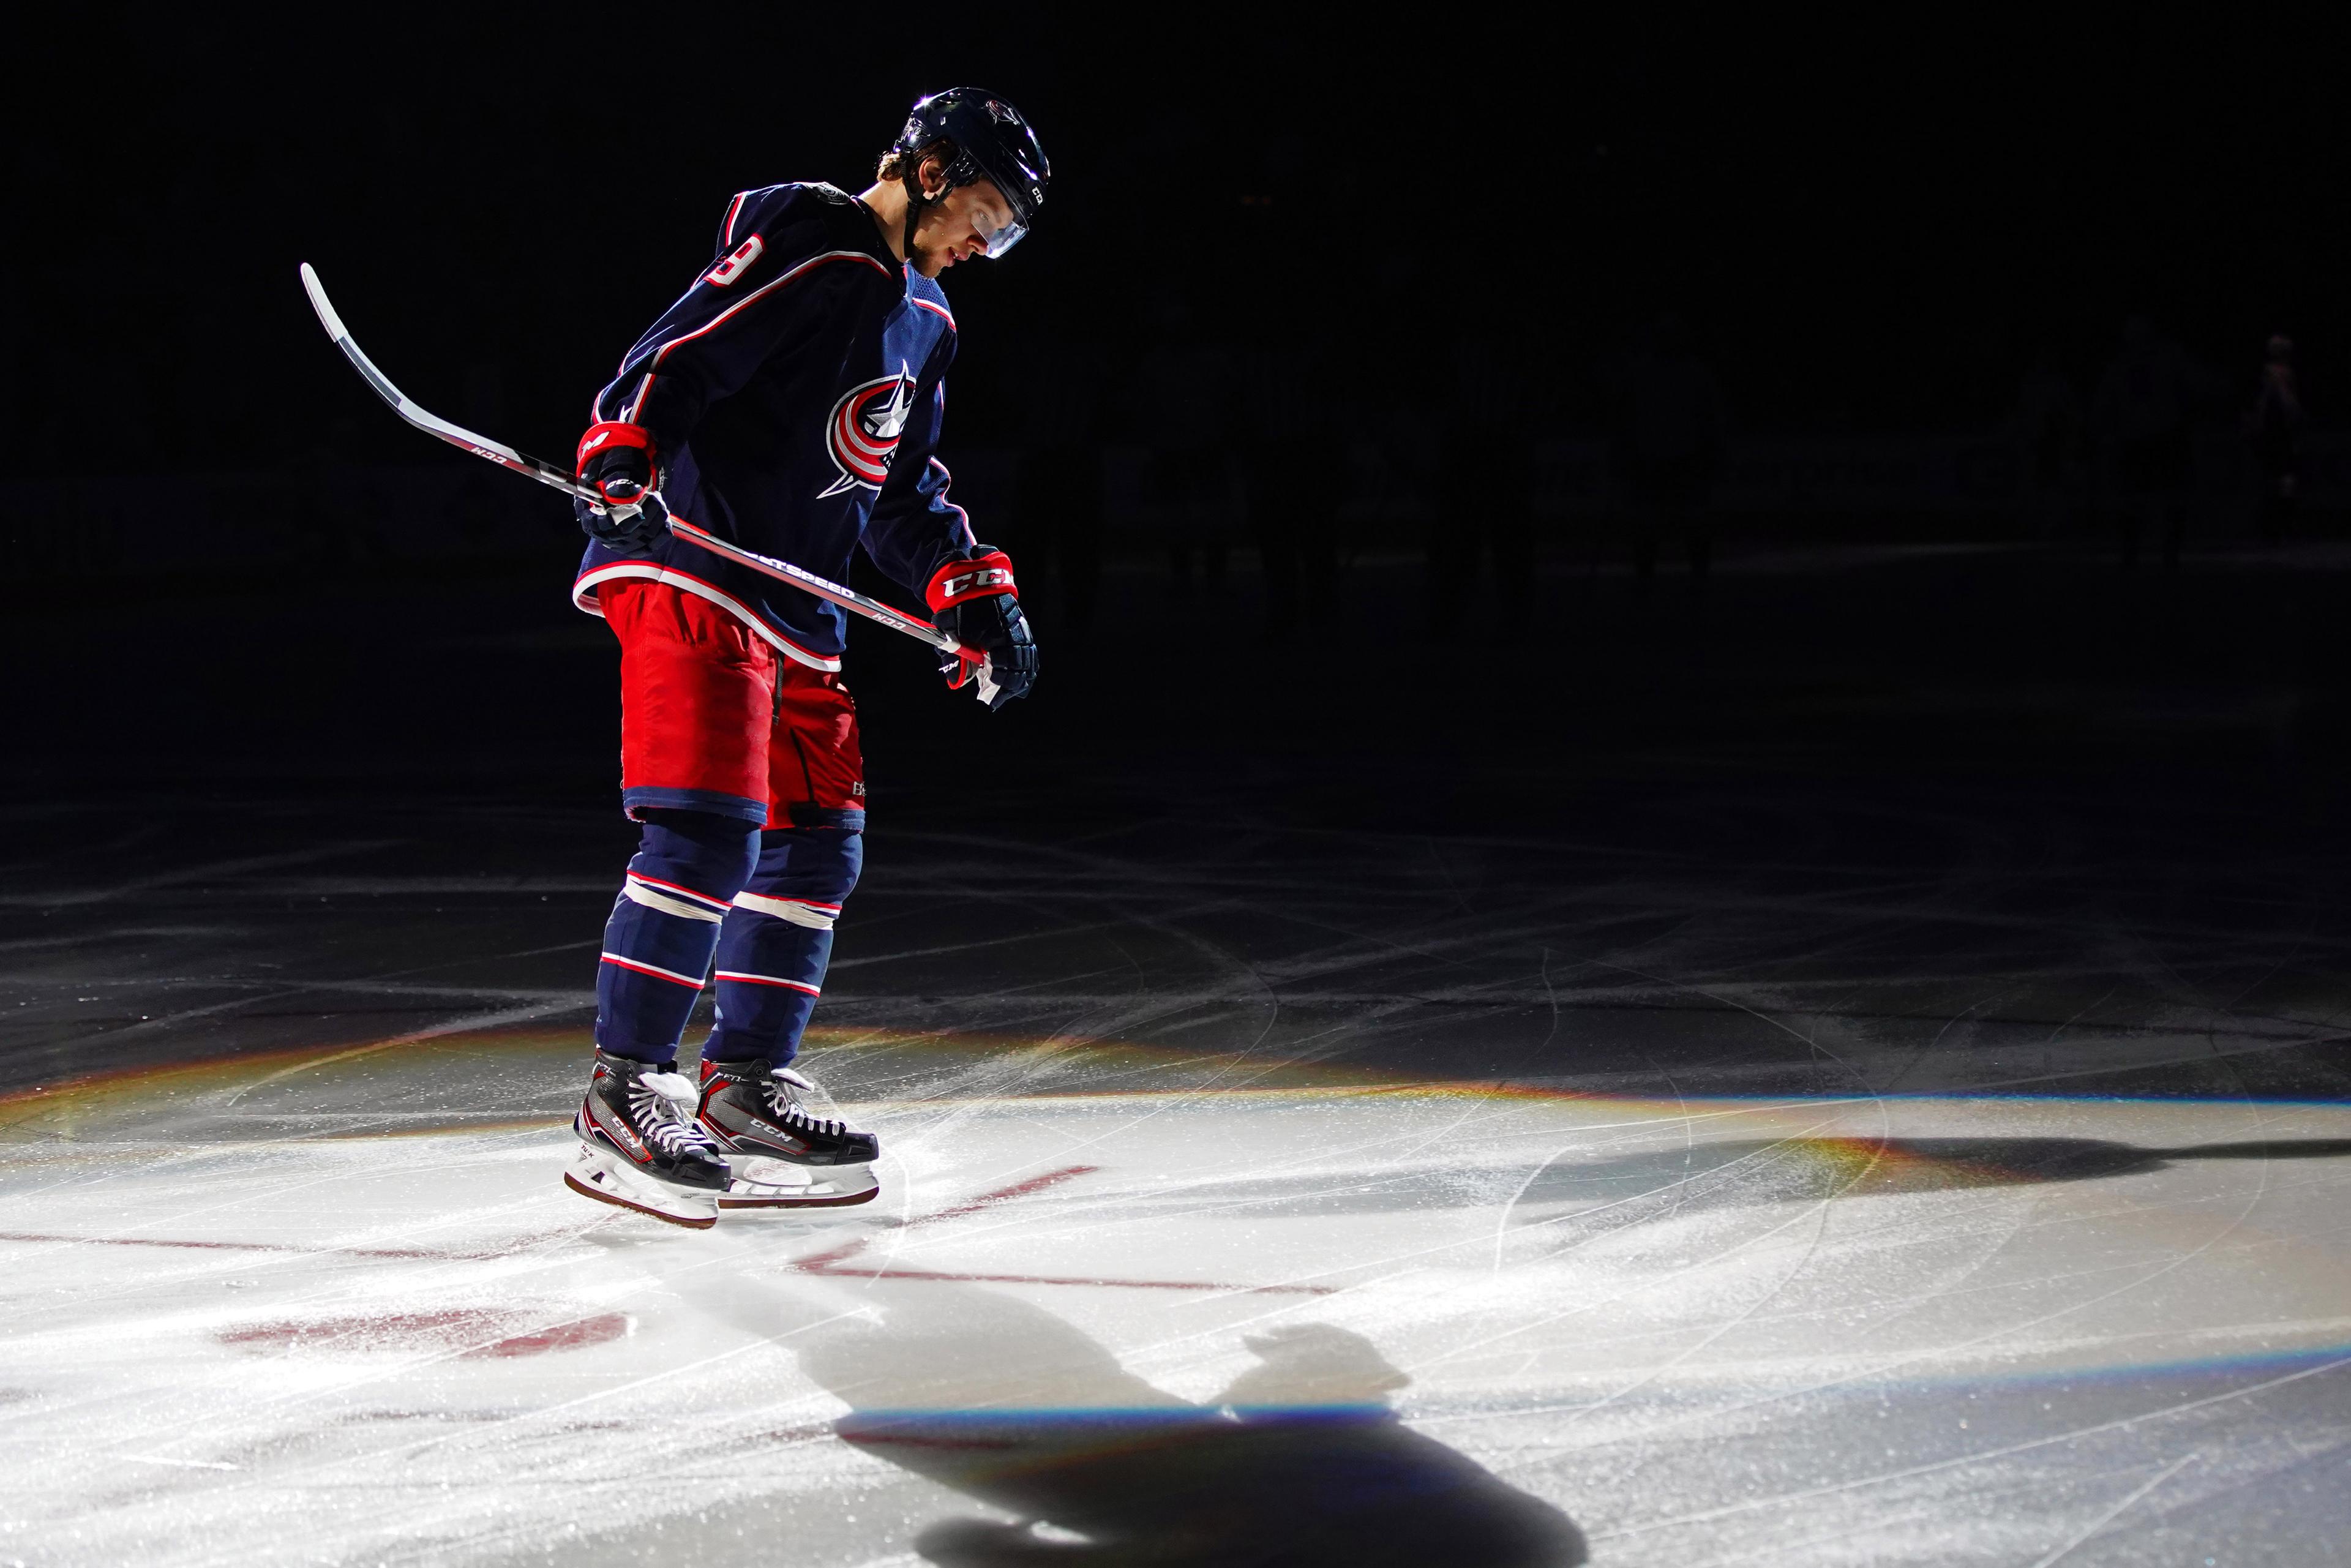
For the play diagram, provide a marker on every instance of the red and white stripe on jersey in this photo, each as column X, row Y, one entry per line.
column 583, row 598
column 733, row 210
column 801, row 985
column 806, row 912
column 947, row 479
column 655, row 970
column 938, row 310
column 761, row 292
column 671, row 899
column 653, row 364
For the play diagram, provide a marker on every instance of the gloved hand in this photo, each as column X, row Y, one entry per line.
column 977, row 602
column 616, row 460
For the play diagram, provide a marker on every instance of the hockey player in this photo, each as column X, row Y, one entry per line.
column 789, row 403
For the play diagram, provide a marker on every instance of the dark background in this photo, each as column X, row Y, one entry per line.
column 1866, row 227
column 231, row 637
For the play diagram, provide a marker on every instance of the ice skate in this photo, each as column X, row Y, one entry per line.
column 782, row 1154
column 640, row 1149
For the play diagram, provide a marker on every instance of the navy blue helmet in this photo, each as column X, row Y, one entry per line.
column 992, row 141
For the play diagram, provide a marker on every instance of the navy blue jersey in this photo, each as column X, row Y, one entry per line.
column 794, row 397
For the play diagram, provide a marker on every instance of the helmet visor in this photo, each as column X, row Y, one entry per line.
column 999, row 240
column 999, row 216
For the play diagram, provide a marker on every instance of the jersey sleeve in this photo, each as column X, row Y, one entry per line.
column 914, row 525
column 780, row 271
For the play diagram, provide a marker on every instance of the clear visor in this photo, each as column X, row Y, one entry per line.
column 1003, row 239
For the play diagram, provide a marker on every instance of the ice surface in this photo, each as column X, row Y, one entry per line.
column 1845, row 1068
column 334, row 1305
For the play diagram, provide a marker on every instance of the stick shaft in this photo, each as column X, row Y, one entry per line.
column 808, row 581
column 548, row 474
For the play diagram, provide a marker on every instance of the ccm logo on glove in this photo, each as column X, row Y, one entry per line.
column 978, row 605
column 959, row 581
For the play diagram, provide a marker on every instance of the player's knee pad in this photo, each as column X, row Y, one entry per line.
column 804, row 876
column 777, row 942
column 683, row 878
column 692, row 863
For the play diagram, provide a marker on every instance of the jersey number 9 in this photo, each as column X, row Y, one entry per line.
column 741, row 256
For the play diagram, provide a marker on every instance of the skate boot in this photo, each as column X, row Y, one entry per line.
column 782, row 1154
column 641, row 1148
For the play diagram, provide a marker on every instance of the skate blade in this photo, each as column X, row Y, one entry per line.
column 805, row 1186
column 600, row 1177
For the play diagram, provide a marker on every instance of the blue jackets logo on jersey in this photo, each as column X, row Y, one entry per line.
column 861, row 434
column 796, row 400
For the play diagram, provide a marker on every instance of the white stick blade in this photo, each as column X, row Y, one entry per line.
column 324, row 307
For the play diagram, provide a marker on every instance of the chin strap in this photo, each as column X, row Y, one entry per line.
column 917, row 201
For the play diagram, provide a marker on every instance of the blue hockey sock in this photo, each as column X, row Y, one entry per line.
column 657, row 945
column 776, row 940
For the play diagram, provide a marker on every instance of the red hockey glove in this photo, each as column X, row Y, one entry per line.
column 977, row 602
column 616, row 461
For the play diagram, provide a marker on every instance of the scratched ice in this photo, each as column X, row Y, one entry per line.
column 1227, row 1218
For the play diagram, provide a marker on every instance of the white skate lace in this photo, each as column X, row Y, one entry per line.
column 785, row 1106
column 656, row 1101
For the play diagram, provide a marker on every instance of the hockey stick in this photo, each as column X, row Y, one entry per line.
column 548, row 474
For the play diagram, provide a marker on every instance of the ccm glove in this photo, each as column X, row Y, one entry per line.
column 616, row 461
column 977, row 602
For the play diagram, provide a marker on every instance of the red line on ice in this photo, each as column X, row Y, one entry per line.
column 1035, row 1184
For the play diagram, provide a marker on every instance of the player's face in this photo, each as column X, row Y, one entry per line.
column 964, row 225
